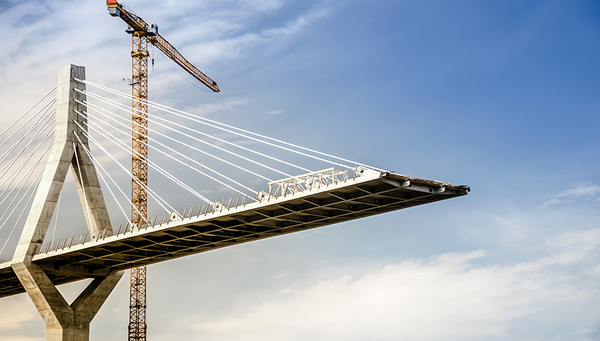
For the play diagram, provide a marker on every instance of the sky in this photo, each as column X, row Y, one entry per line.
column 502, row 96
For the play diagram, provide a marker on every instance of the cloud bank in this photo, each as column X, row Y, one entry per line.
column 446, row 297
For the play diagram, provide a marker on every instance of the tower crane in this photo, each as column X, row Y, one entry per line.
column 141, row 35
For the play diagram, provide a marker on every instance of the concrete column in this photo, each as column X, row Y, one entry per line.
column 65, row 322
column 62, row 157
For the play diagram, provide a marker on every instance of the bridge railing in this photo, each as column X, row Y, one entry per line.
column 277, row 189
column 310, row 181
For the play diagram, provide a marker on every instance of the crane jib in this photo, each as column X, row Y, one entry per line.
column 137, row 24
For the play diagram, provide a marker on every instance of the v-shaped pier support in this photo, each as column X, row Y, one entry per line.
column 65, row 322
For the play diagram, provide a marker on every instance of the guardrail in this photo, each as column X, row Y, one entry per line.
column 309, row 181
column 280, row 188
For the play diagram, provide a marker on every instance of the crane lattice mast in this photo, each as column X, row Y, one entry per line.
column 141, row 35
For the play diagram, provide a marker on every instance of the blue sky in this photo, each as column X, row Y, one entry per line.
column 501, row 96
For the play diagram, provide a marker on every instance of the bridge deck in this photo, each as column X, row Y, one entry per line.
column 372, row 193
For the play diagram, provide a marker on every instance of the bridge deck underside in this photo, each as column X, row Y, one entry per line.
column 358, row 199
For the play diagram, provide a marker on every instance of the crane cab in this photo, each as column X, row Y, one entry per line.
column 153, row 31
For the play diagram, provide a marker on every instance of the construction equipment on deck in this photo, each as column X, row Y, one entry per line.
column 141, row 34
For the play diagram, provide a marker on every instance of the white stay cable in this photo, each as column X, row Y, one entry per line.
column 155, row 166
column 125, row 170
column 175, row 112
column 40, row 118
column 183, row 163
column 22, row 167
column 99, row 110
column 21, row 185
column 128, row 149
column 79, row 166
column 22, row 197
column 202, row 119
column 152, row 120
column 152, row 194
column 150, row 191
column 187, row 157
column 14, row 175
column 25, row 114
column 197, row 118
column 37, row 182
column 56, row 219
column 47, row 125
column 47, row 129
column 98, row 166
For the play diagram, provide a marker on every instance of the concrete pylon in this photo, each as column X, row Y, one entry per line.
column 65, row 322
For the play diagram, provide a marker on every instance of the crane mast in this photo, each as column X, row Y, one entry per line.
column 139, row 168
column 141, row 35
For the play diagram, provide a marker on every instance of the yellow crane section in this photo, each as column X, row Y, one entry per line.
column 136, row 23
column 141, row 34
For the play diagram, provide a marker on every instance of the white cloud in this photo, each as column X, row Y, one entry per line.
column 233, row 47
column 453, row 296
column 42, row 36
column 261, row 5
column 297, row 24
column 15, row 313
column 445, row 297
column 226, row 49
column 581, row 190
column 206, row 109
column 21, row 338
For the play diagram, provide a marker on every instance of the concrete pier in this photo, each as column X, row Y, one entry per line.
column 65, row 322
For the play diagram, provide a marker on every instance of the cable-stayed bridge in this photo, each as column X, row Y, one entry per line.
column 72, row 130
column 341, row 196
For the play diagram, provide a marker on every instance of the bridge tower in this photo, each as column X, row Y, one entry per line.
column 64, row 322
